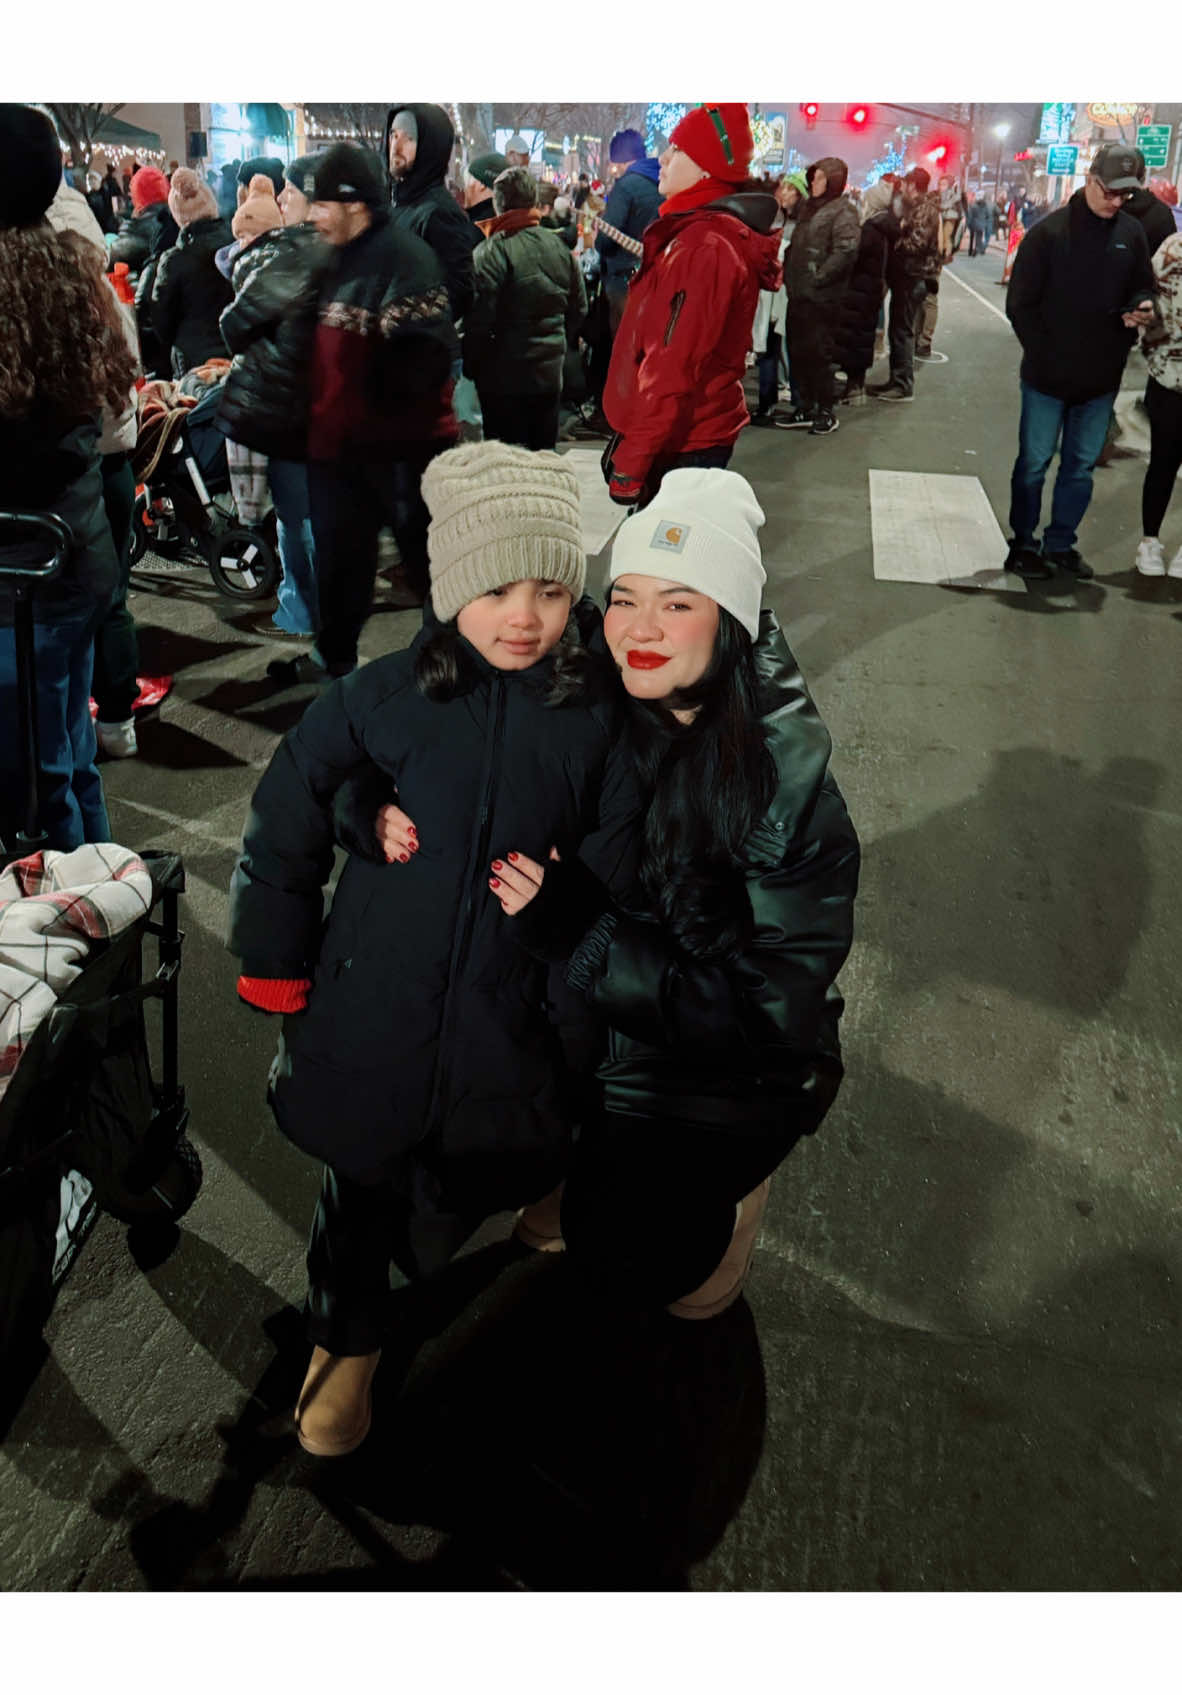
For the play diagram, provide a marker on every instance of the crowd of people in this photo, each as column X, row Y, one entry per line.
column 599, row 879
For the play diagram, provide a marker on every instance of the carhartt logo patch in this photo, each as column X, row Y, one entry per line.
column 671, row 538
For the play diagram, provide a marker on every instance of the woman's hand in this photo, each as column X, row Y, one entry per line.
column 516, row 879
column 397, row 836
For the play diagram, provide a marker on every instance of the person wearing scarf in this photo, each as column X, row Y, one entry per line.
column 674, row 393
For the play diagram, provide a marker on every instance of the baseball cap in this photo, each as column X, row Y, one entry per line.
column 1116, row 166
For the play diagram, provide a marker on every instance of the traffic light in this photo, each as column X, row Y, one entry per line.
column 938, row 153
column 811, row 109
column 858, row 117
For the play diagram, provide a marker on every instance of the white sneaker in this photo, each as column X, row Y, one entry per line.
column 1150, row 560
column 1175, row 569
column 117, row 740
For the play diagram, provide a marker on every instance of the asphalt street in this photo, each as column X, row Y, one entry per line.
column 957, row 1365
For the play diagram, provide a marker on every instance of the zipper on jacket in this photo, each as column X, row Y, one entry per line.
column 476, row 888
column 676, row 304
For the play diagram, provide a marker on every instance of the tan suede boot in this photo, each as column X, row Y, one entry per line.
column 540, row 1225
column 725, row 1284
column 334, row 1411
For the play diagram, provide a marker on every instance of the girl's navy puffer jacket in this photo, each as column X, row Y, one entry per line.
column 426, row 1038
column 270, row 328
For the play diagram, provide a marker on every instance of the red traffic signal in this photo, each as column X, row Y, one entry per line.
column 811, row 110
column 858, row 117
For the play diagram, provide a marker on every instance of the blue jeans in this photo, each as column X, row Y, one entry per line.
column 73, row 809
column 298, row 610
column 1082, row 429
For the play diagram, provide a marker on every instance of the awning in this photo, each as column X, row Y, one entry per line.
column 113, row 132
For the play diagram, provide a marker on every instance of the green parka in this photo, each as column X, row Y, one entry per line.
column 530, row 296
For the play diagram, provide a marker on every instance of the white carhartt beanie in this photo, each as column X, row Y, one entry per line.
column 500, row 514
column 701, row 530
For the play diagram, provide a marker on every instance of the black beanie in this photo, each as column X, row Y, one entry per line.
column 301, row 173
column 347, row 172
column 261, row 167
column 30, row 166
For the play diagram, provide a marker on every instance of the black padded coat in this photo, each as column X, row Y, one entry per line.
column 421, row 205
column 748, row 1045
column 189, row 295
column 425, row 1054
column 861, row 303
column 270, row 328
column 825, row 243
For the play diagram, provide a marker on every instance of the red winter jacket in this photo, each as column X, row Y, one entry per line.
column 675, row 384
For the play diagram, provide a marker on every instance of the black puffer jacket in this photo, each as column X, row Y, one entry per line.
column 530, row 296
column 189, row 296
column 1153, row 215
column 270, row 328
column 143, row 238
column 749, row 1045
column 825, row 244
column 425, row 1038
column 862, row 301
column 51, row 464
column 422, row 205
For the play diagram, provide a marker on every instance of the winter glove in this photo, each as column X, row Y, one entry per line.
column 275, row 994
column 625, row 491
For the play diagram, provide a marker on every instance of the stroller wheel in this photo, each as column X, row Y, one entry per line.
column 169, row 1196
column 243, row 564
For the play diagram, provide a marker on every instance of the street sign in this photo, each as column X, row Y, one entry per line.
column 1061, row 161
column 1154, row 142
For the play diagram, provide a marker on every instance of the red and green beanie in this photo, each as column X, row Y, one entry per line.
column 718, row 138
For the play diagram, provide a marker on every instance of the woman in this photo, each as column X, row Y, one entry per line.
column 820, row 260
column 270, row 327
column 1163, row 402
column 189, row 293
column 771, row 314
column 530, row 297
column 63, row 357
column 149, row 229
column 717, row 983
column 674, row 393
column 861, row 304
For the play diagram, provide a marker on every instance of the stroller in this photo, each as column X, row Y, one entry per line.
column 183, row 506
column 83, row 1123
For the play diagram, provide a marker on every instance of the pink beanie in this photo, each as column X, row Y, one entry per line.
column 189, row 198
column 259, row 212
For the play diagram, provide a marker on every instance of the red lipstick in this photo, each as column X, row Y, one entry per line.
column 646, row 661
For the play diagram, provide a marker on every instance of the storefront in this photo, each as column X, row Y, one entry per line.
column 238, row 132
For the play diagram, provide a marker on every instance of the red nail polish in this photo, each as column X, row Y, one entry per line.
column 403, row 858
column 497, row 866
column 513, row 858
column 494, row 882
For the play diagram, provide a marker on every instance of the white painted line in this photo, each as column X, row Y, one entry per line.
column 933, row 528
column 988, row 304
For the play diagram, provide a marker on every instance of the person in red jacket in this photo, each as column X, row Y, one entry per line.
column 674, row 394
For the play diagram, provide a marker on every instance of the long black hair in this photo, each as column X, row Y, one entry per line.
column 711, row 781
column 444, row 668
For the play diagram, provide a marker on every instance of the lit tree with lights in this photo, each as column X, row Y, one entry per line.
column 660, row 120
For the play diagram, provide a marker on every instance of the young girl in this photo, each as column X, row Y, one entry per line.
column 417, row 1058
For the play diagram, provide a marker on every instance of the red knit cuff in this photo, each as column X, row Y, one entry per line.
column 275, row 994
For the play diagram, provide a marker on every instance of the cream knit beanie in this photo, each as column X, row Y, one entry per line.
column 500, row 514
column 700, row 530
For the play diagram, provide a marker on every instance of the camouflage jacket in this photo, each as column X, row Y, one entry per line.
column 917, row 251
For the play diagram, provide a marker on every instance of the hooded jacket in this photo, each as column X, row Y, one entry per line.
column 425, row 1032
column 748, row 1044
column 916, row 255
column 825, row 244
column 631, row 207
column 383, row 350
column 189, row 296
column 530, row 297
column 1153, row 215
column 675, row 383
column 422, row 206
column 1074, row 275
column 143, row 237
column 861, row 303
column 270, row 329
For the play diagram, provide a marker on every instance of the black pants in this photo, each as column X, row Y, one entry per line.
column 810, row 342
column 1164, row 406
column 116, row 648
column 649, row 1203
column 908, row 299
column 707, row 458
column 351, row 501
column 528, row 420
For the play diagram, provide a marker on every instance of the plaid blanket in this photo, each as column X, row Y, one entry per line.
column 53, row 906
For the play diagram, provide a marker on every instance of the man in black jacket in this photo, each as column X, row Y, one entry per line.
column 1081, row 289
column 419, row 140
column 631, row 207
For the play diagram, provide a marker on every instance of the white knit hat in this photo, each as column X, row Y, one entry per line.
column 500, row 514
column 701, row 530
